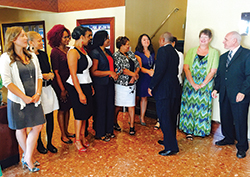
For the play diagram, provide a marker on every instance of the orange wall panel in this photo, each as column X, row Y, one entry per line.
column 77, row 5
column 62, row 5
column 46, row 5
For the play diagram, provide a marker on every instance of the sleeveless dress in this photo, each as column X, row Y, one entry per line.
column 82, row 111
column 30, row 115
column 144, row 78
column 196, row 106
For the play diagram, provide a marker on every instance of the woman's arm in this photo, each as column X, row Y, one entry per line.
column 72, row 57
column 144, row 70
column 208, row 77
column 38, row 91
column 16, row 91
column 189, row 77
column 99, row 73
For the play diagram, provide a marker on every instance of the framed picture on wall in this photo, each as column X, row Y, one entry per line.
column 96, row 24
column 37, row 26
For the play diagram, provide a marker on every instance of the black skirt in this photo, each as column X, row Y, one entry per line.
column 81, row 111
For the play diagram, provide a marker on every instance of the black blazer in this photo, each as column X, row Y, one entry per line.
column 103, row 65
column 236, row 77
column 165, row 83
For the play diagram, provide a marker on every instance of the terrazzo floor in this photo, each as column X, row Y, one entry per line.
column 137, row 155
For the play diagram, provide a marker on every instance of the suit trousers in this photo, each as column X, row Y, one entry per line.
column 104, row 109
column 167, row 110
column 234, row 122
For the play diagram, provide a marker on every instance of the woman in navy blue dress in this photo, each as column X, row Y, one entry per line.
column 145, row 55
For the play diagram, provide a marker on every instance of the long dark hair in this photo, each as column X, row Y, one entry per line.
column 139, row 46
column 99, row 38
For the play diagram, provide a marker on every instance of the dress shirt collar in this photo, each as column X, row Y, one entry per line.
column 234, row 51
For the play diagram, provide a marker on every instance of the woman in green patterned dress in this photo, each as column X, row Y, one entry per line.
column 200, row 66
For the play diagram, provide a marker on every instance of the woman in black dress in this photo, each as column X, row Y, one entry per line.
column 79, row 84
column 22, row 76
column 104, row 76
column 48, row 98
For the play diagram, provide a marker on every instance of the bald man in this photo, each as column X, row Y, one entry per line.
column 166, row 90
column 233, row 85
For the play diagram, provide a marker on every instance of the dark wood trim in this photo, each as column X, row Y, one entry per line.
column 6, row 25
column 110, row 20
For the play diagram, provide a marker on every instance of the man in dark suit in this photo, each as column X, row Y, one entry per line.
column 233, row 84
column 165, row 88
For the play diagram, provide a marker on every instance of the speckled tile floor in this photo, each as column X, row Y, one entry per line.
column 137, row 155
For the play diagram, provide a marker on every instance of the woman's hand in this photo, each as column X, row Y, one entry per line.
column 126, row 71
column 196, row 86
column 51, row 76
column 82, row 98
column 64, row 94
column 114, row 75
column 151, row 72
column 28, row 99
column 132, row 80
column 35, row 98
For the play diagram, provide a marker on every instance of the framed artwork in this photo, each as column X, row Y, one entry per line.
column 97, row 24
column 37, row 26
column 245, row 24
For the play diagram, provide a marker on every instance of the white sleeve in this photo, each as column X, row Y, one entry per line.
column 5, row 69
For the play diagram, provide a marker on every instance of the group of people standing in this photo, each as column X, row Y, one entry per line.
column 102, row 83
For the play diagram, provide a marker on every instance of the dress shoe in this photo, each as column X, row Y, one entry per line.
column 160, row 142
column 241, row 154
column 41, row 149
column 167, row 153
column 223, row 142
column 67, row 142
column 51, row 148
column 117, row 127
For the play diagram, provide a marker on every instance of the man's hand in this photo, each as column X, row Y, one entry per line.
column 240, row 97
column 149, row 91
column 214, row 94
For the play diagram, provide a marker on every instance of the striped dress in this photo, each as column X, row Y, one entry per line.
column 196, row 106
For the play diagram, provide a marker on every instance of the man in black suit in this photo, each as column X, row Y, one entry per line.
column 165, row 88
column 233, row 84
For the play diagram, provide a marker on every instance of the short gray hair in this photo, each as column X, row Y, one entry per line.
column 236, row 35
column 167, row 36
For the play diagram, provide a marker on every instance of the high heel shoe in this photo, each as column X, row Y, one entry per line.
column 132, row 131
column 86, row 143
column 83, row 149
column 142, row 123
column 36, row 163
column 67, row 142
column 34, row 169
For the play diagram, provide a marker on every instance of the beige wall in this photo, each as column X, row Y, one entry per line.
column 68, row 19
column 145, row 16
column 221, row 16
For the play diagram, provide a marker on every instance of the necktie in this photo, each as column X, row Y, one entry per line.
column 229, row 57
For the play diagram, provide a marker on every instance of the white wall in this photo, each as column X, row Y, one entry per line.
column 221, row 16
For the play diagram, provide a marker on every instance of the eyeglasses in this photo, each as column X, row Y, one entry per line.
column 66, row 37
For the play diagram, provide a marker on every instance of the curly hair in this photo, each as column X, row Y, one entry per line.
column 11, row 35
column 121, row 40
column 55, row 35
column 139, row 46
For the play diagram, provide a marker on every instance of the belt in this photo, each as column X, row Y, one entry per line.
column 46, row 83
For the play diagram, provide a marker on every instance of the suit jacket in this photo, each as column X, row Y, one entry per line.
column 103, row 65
column 164, row 83
column 236, row 77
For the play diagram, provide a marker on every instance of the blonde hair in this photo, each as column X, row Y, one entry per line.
column 11, row 35
column 32, row 35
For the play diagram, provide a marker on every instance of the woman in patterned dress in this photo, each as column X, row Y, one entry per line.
column 200, row 66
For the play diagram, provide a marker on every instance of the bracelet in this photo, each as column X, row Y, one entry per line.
column 38, row 94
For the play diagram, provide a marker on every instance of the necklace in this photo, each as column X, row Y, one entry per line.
column 150, row 61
